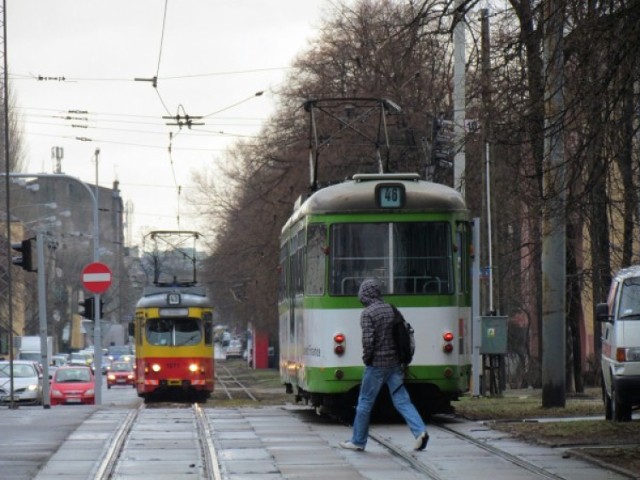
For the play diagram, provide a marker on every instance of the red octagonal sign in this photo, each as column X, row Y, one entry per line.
column 96, row 277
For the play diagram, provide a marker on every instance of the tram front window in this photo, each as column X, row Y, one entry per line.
column 174, row 332
column 407, row 258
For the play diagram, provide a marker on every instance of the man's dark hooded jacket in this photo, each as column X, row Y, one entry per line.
column 376, row 320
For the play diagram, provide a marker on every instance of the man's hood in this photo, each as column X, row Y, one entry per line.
column 369, row 292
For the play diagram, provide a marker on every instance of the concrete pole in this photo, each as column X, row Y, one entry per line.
column 476, row 358
column 42, row 314
column 97, row 324
column 554, row 211
column 459, row 103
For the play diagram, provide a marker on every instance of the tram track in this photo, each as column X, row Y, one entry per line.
column 497, row 452
column 122, row 449
column 433, row 474
column 230, row 384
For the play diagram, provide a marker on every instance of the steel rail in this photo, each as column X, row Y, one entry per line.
column 526, row 465
column 212, row 468
column 107, row 463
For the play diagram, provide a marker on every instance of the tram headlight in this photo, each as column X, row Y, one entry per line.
column 156, row 367
column 339, row 343
column 194, row 367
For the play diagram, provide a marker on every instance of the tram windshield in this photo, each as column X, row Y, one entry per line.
column 174, row 332
column 407, row 258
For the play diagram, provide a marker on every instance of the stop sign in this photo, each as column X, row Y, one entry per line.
column 96, row 277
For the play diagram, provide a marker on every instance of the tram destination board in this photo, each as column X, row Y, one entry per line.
column 390, row 195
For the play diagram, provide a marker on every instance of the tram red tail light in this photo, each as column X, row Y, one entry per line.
column 447, row 347
column 339, row 343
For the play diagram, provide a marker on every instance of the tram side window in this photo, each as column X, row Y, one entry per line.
column 316, row 259
column 282, row 274
column 208, row 328
column 297, row 262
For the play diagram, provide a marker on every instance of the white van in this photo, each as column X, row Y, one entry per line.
column 621, row 345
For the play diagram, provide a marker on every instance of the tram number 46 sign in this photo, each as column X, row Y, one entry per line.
column 96, row 277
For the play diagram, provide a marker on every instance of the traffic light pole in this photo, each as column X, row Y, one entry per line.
column 42, row 313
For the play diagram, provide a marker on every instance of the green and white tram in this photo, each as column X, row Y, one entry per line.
column 412, row 235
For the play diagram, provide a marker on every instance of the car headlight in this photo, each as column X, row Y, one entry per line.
column 89, row 392
column 56, row 393
column 32, row 387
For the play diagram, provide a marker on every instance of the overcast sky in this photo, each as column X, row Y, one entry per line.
column 210, row 55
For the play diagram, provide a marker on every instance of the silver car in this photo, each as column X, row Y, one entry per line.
column 27, row 382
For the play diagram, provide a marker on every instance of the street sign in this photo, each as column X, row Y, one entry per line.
column 96, row 277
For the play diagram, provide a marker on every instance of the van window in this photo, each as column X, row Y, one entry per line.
column 630, row 300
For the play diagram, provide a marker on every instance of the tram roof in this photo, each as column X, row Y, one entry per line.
column 156, row 296
column 357, row 195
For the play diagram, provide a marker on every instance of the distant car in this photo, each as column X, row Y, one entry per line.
column 73, row 385
column 27, row 382
column 81, row 359
column 121, row 373
column 105, row 365
column 57, row 361
column 234, row 349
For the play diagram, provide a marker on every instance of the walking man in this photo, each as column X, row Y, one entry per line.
column 381, row 366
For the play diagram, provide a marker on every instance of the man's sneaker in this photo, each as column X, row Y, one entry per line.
column 421, row 441
column 348, row 445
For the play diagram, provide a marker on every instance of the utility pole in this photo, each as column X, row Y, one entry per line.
column 486, row 137
column 459, row 102
column 97, row 326
column 554, row 210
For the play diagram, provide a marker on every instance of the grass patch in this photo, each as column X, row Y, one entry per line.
column 525, row 404
column 618, row 444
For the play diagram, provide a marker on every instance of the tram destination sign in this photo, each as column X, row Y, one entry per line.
column 96, row 277
column 390, row 195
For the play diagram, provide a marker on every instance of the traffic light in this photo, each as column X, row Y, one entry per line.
column 88, row 308
column 26, row 257
column 87, row 305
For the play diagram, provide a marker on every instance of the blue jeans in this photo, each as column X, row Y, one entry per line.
column 372, row 381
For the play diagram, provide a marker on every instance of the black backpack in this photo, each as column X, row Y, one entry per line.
column 403, row 338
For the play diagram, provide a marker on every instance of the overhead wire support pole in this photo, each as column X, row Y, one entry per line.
column 97, row 323
column 459, row 101
column 7, row 158
column 554, row 210
column 42, row 314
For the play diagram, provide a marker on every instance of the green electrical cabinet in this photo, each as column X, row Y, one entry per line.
column 494, row 335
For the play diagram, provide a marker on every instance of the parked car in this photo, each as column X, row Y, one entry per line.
column 73, row 385
column 620, row 359
column 234, row 349
column 121, row 373
column 27, row 382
